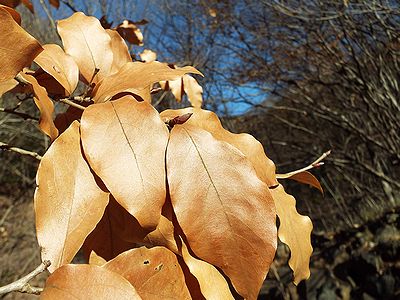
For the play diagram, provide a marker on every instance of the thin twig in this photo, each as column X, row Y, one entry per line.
column 48, row 13
column 317, row 163
column 5, row 146
column 19, row 114
column 71, row 103
column 22, row 285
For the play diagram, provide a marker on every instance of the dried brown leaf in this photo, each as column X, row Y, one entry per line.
column 124, row 142
column 307, row 178
column 84, row 282
column 193, row 90
column 137, row 78
column 88, row 43
column 294, row 231
column 45, row 105
column 6, row 86
column 217, row 196
column 120, row 51
column 55, row 3
column 18, row 48
column 105, row 239
column 16, row 16
column 247, row 144
column 60, row 65
column 154, row 272
column 164, row 234
column 28, row 4
column 130, row 32
column 148, row 55
column 212, row 284
column 96, row 260
column 68, row 202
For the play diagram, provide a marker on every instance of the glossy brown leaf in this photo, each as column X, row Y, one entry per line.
column 88, row 43
column 124, row 142
column 45, row 105
column 120, row 51
column 154, row 272
column 225, row 211
column 68, row 202
column 18, row 48
column 16, row 16
column 87, row 282
column 295, row 231
column 130, row 32
column 137, row 78
column 246, row 143
column 60, row 65
column 212, row 284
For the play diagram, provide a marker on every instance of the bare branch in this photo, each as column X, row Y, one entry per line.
column 318, row 162
column 7, row 147
column 22, row 285
column 71, row 103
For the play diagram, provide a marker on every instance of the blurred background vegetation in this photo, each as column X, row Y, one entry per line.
column 303, row 77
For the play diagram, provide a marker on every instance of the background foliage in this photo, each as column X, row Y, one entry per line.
column 302, row 78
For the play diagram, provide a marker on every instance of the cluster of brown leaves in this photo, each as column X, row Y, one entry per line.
column 166, row 205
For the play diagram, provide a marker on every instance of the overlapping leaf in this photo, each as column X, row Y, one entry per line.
column 184, row 85
column 87, row 282
column 6, row 86
column 294, row 231
column 18, row 48
column 105, row 240
column 88, row 43
column 68, row 202
column 164, row 234
column 213, row 183
column 212, row 284
column 154, row 272
column 124, row 142
column 60, row 65
column 15, row 3
column 16, row 16
column 247, row 144
column 45, row 105
column 120, row 51
column 137, row 78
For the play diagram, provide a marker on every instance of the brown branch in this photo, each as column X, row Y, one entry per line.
column 22, row 285
column 71, row 103
column 318, row 162
column 4, row 146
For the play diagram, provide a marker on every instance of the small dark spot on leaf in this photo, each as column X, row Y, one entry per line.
column 146, row 262
column 159, row 267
